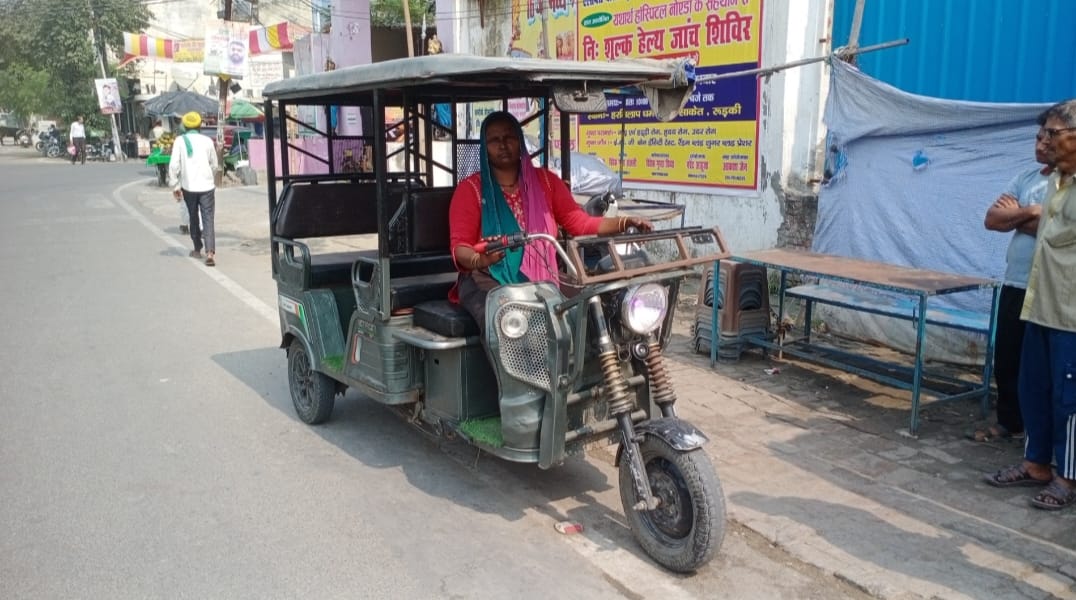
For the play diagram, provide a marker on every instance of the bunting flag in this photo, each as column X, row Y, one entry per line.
column 138, row 45
column 269, row 39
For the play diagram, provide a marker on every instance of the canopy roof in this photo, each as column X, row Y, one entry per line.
column 465, row 77
column 179, row 103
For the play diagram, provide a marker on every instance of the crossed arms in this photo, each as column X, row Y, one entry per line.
column 1006, row 214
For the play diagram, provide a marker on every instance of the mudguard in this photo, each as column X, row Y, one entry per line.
column 677, row 433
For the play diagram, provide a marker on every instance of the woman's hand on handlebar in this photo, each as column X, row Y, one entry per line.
column 618, row 225
column 474, row 259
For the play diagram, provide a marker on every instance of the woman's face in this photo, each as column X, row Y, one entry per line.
column 502, row 145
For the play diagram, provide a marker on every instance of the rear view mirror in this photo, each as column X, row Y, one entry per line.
column 576, row 100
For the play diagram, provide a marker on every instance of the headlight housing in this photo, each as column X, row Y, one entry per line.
column 514, row 324
column 644, row 307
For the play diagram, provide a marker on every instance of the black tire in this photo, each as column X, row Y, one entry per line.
column 687, row 529
column 52, row 152
column 312, row 393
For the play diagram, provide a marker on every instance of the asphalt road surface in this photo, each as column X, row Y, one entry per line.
column 148, row 447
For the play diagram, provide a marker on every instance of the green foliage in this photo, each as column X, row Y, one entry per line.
column 389, row 13
column 51, row 39
column 20, row 88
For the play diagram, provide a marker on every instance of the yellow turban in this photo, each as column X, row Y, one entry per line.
column 192, row 120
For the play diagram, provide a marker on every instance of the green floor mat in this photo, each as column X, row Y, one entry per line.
column 334, row 363
column 486, row 431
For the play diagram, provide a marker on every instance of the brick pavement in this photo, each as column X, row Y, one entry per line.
column 818, row 462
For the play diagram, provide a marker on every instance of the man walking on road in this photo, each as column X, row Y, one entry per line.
column 78, row 140
column 190, row 174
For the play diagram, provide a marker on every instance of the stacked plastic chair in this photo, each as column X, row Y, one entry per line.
column 743, row 308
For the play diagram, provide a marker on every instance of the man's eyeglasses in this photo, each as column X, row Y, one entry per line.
column 1049, row 133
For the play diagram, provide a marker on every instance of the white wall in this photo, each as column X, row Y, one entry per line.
column 790, row 113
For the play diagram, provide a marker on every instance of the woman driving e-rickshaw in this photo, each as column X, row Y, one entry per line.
column 558, row 344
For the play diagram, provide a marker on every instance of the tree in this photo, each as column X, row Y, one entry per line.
column 51, row 39
column 389, row 13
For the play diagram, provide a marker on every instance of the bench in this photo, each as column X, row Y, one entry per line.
column 898, row 307
column 331, row 208
column 314, row 209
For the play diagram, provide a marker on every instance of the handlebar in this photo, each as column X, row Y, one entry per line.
column 517, row 240
column 501, row 242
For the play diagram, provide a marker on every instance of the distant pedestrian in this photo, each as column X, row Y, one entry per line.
column 77, row 137
column 1016, row 210
column 1048, row 359
column 157, row 131
column 191, row 176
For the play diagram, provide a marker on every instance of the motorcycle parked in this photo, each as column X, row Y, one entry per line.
column 101, row 150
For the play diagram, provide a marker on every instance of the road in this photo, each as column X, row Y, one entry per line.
column 148, row 447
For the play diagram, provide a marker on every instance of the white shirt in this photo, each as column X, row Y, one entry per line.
column 194, row 171
column 77, row 130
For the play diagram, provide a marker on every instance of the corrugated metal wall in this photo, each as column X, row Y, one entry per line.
column 987, row 50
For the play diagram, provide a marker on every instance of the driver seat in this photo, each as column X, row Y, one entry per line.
column 445, row 318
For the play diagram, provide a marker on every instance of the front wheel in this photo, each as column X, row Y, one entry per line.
column 312, row 393
column 52, row 152
column 687, row 528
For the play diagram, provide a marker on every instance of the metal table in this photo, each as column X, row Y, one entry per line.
column 920, row 284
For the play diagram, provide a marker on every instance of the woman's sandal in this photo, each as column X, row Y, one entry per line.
column 1014, row 476
column 1055, row 497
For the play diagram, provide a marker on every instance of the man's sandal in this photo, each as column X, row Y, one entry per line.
column 1055, row 497
column 1014, row 476
column 195, row 254
column 209, row 262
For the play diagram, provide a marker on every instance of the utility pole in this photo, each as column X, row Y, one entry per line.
column 407, row 26
column 116, row 142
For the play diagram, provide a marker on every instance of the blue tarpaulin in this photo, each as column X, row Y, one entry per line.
column 911, row 178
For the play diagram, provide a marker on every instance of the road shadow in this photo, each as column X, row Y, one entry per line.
column 376, row 436
column 921, row 554
column 862, row 403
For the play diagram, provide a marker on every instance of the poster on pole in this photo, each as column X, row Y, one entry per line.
column 714, row 140
column 227, row 50
column 108, row 96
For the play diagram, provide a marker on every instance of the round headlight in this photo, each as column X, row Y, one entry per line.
column 644, row 307
column 514, row 324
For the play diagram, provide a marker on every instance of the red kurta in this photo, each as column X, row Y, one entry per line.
column 465, row 212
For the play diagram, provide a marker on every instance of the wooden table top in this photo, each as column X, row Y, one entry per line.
column 869, row 272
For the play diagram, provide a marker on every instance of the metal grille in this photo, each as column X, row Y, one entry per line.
column 467, row 158
column 526, row 358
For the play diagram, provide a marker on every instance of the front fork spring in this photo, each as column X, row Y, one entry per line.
column 660, row 383
column 616, row 386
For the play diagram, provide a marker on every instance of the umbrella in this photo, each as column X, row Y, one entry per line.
column 179, row 103
column 245, row 111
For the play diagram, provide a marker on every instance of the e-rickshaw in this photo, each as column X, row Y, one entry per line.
column 570, row 364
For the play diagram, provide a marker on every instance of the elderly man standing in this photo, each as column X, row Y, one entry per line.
column 1048, row 360
column 191, row 175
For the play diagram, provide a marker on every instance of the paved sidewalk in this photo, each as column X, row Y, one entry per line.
column 813, row 460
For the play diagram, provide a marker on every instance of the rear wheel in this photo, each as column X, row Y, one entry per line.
column 687, row 528
column 312, row 393
column 53, row 151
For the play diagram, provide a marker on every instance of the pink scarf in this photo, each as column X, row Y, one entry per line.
column 539, row 257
